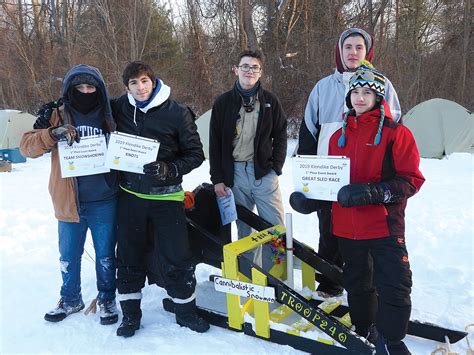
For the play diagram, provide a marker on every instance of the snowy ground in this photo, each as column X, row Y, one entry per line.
column 439, row 238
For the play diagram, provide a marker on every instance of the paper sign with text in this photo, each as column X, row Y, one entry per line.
column 84, row 158
column 129, row 153
column 320, row 177
column 245, row 289
column 227, row 208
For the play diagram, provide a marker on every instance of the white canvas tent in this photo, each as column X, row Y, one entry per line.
column 441, row 127
column 202, row 124
column 13, row 124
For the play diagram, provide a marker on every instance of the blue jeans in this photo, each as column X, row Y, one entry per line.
column 100, row 218
column 263, row 193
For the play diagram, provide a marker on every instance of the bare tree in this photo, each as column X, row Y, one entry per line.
column 423, row 46
column 467, row 49
column 248, row 37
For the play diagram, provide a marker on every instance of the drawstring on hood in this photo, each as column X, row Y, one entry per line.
column 135, row 115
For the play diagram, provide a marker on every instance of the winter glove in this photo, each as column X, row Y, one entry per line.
column 44, row 114
column 300, row 203
column 362, row 194
column 189, row 200
column 161, row 169
column 67, row 132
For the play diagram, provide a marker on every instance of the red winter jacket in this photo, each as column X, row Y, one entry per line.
column 394, row 161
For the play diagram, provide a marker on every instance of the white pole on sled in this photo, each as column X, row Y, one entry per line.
column 289, row 249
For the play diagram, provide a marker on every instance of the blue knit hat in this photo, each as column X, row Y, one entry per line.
column 365, row 77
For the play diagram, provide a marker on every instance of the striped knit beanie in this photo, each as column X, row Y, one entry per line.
column 365, row 77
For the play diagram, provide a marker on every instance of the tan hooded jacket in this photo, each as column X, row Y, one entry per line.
column 63, row 193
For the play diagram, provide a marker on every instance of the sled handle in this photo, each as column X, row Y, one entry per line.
column 289, row 250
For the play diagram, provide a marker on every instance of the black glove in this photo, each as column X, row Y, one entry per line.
column 362, row 194
column 44, row 114
column 161, row 169
column 300, row 203
column 67, row 132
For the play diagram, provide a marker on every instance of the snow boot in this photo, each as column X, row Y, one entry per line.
column 397, row 348
column 186, row 316
column 387, row 347
column 132, row 314
column 62, row 310
column 168, row 305
column 373, row 334
column 108, row 312
column 326, row 291
column 326, row 287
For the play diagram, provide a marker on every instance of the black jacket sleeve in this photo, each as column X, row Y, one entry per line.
column 191, row 153
column 307, row 143
column 215, row 144
column 279, row 137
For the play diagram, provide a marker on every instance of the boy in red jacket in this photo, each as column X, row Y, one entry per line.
column 368, row 216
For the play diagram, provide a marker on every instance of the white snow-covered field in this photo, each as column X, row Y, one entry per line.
column 439, row 237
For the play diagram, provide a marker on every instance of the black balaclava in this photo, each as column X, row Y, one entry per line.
column 82, row 102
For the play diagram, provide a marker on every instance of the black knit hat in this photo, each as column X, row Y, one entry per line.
column 84, row 78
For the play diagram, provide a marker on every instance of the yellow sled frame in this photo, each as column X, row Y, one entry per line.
column 260, row 309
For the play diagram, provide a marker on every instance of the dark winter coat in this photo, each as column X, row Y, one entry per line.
column 270, row 138
column 394, row 161
column 172, row 124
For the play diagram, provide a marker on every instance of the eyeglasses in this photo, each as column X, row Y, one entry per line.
column 246, row 68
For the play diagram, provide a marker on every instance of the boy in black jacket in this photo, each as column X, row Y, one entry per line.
column 247, row 143
column 151, row 218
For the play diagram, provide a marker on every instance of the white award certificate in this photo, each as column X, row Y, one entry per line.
column 84, row 158
column 320, row 177
column 129, row 153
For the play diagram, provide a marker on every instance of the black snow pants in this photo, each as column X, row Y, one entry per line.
column 152, row 239
column 328, row 247
column 377, row 278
